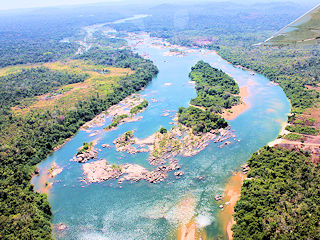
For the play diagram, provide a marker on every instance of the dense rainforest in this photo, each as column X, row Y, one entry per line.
column 46, row 35
column 280, row 199
column 117, row 58
column 202, row 24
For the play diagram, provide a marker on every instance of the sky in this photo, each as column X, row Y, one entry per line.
column 16, row 4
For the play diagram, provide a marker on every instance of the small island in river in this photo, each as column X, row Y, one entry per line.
column 122, row 112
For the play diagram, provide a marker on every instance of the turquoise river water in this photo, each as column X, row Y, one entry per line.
column 151, row 211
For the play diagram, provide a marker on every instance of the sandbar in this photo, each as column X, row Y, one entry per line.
column 235, row 111
column 232, row 195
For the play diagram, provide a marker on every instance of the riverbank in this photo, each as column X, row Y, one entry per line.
column 49, row 174
column 232, row 194
column 185, row 212
column 188, row 231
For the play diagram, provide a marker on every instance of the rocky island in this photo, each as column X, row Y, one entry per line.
column 86, row 152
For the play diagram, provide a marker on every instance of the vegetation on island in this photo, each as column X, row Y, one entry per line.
column 200, row 121
column 163, row 130
column 166, row 143
column 215, row 92
column 139, row 107
column 85, row 147
column 124, row 139
column 116, row 121
column 280, row 199
column 133, row 111
column 215, row 89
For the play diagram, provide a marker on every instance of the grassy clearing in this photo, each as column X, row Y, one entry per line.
column 100, row 82
column 14, row 69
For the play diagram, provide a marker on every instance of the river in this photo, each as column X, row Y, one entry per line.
column 154, row 211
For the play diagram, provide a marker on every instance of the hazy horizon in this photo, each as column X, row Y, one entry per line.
column 20, row 4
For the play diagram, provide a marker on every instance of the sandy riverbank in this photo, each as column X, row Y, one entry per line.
column 235, row 111
column 48, row 174
column 188, row 231
column 189, row 228
column 282, row 132
column 232, row 195
column 185, row 211
column 44, row 184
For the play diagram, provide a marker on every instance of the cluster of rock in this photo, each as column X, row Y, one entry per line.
column 223, row 205
column 161, row 173
column 97, row 121
column 60, row 227
column 121, row 108
column 218, row 197
column 225, row 144
column 245, row 168
column 181, row 140
column 99, row 171
column 125, row 105
column 85, row 156
column 193, row 144
column 54, row 170
column 157, row 176
column 125, row 142
column 224, row 134
column 106, row 146
column 131, row 149
column 178, row 173
column 163, row 149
